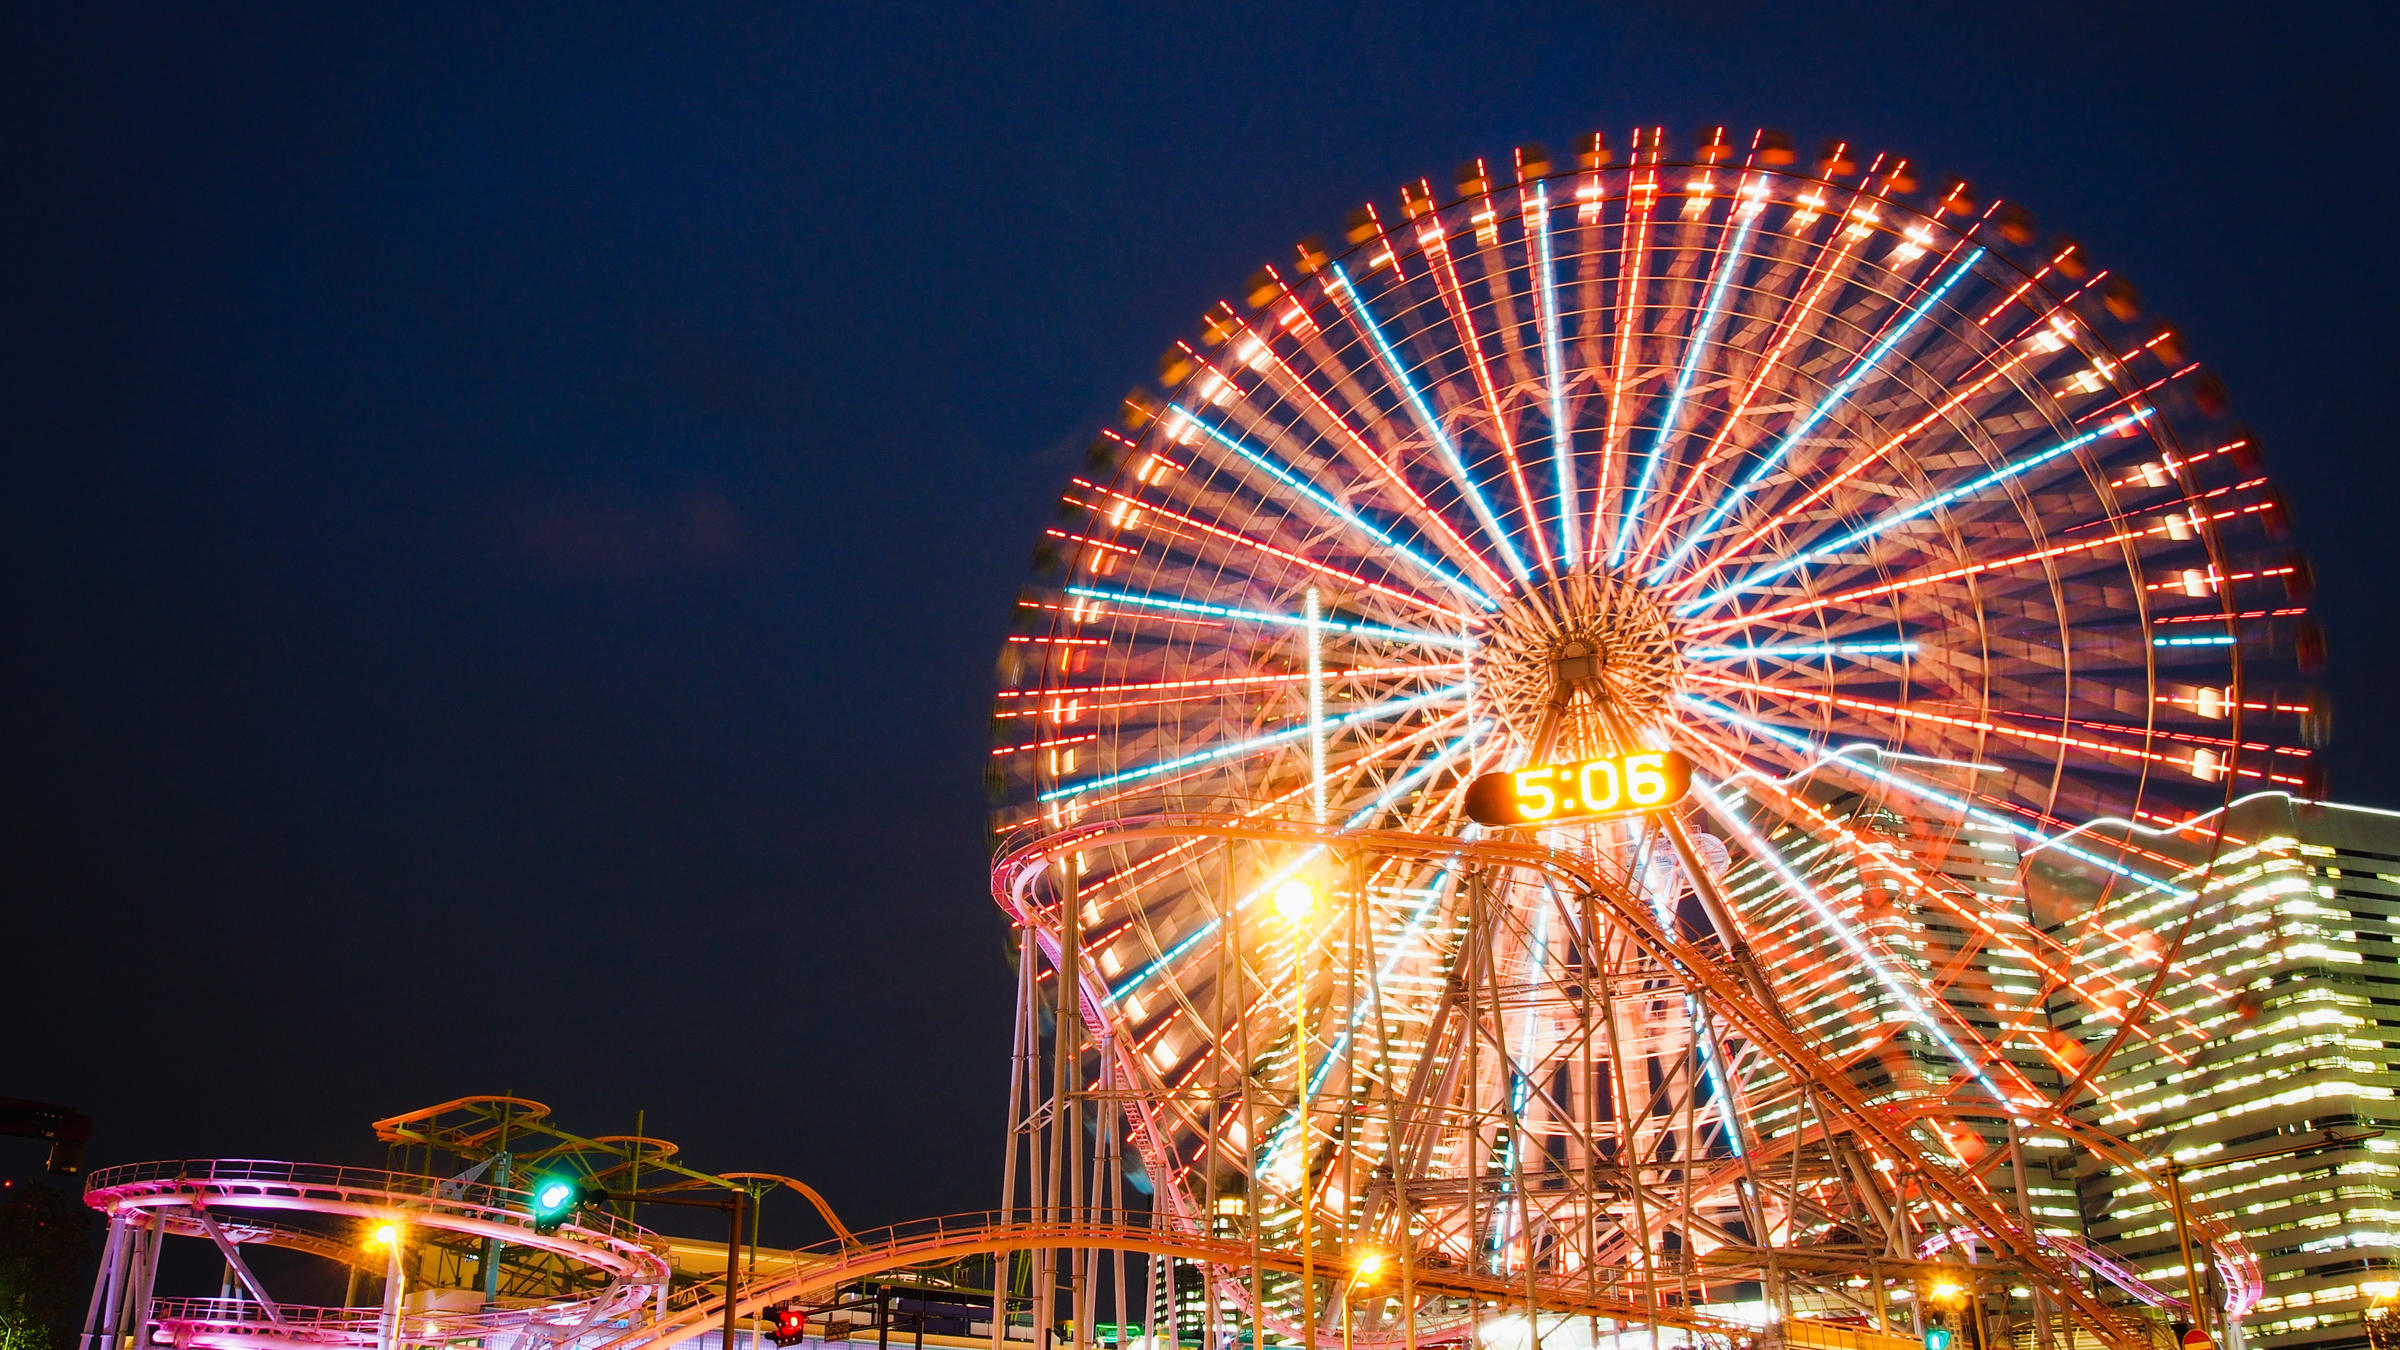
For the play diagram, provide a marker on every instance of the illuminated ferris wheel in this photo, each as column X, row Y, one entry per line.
column 1936, row 567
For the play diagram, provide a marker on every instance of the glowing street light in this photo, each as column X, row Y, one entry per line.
column 1295, row 900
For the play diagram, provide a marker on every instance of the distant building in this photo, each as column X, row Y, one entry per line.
column 2284, row 1011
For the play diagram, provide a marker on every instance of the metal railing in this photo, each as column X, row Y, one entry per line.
column 112, row 1186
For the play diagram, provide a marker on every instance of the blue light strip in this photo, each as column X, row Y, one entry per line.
column 2214, row 640
column 1805, row 649
column 1562, row 435
column 1916, row 789
column 1234, row 748
column 1336, row 509
column 1763, row 851
column 1825, row 407
column 1404, row 784
column 1432, row 424
column 1268, row 616
column 1694, row 348
column 1925, row 507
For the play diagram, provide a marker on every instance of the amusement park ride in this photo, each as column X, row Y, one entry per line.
column 1566, row 758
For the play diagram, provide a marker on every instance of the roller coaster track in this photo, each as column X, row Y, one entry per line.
column 240, row 1201
column 822, row 1269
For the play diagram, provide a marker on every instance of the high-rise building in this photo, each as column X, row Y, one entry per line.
column 2279, row 1019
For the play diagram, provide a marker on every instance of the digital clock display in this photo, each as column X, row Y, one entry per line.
column 1616, row 786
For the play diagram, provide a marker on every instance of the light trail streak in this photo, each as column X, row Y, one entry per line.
column 1824, row 408
column 1255, row 743
column 1368, row 630
column 1850, row 471
column 1905, row 514
column 1445, row 274
column 1360, row 450
column 1964, row 807
column 1826, row 272
column 1340, row 512
column 1641, row 198
column 1976, row 569
column 1760, row 849
column 1227, row 681
column 1142, row 505
column 1554, row 365
column 1729, row 263
column 1800, row 649
column 1915, row 714
column 1425, row 417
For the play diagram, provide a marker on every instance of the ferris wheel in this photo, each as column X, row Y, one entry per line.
column 1935, row 566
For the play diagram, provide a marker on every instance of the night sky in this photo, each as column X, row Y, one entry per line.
column 510, row 515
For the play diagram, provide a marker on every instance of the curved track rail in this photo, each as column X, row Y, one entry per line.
column 241, row 1201
column 825, row 1268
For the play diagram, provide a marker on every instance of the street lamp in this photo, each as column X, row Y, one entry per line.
column 389, row 1236
column 1363, row 1270
column 1950, row 1293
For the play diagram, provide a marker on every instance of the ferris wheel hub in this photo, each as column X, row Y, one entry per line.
column 1569, row 655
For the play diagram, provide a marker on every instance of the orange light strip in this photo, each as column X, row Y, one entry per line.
column 1437, row 251
column 1465, row 551
column 1325, row 569
column 1967, row 570
column 1911, row 714
column 1949, row 405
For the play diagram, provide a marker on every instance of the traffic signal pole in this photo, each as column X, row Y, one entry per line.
column 733, row 1204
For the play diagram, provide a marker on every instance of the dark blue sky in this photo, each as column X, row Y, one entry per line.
column 510, row 514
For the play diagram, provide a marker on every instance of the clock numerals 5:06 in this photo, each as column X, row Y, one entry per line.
column 1616, row 785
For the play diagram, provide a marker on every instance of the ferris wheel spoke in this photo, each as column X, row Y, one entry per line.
column 1867, row 533
column 1331, row 507
column 1858, row 768
column 1883, row 971
column 1633, row 245
column 1180, row 607
column 1139, row 508
column 1916, row 713
column 1252, row 349
column 1824, row 408
column 2011, row 934
column 1555, row 375
column 1730, row 259
column 2033, row 349
column 1253, row 745
column 1827, row 266
column 1445, row 273
column 1338, row 285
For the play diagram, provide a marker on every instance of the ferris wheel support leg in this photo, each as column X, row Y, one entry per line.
column 98, row 1321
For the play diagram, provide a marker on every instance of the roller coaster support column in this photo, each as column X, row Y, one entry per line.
column 99, row 1323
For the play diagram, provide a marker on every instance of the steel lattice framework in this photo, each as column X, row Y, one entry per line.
column 1906, row 529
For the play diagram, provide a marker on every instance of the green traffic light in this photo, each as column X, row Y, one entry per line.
column 554, row 1200
column 1937, row 1338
